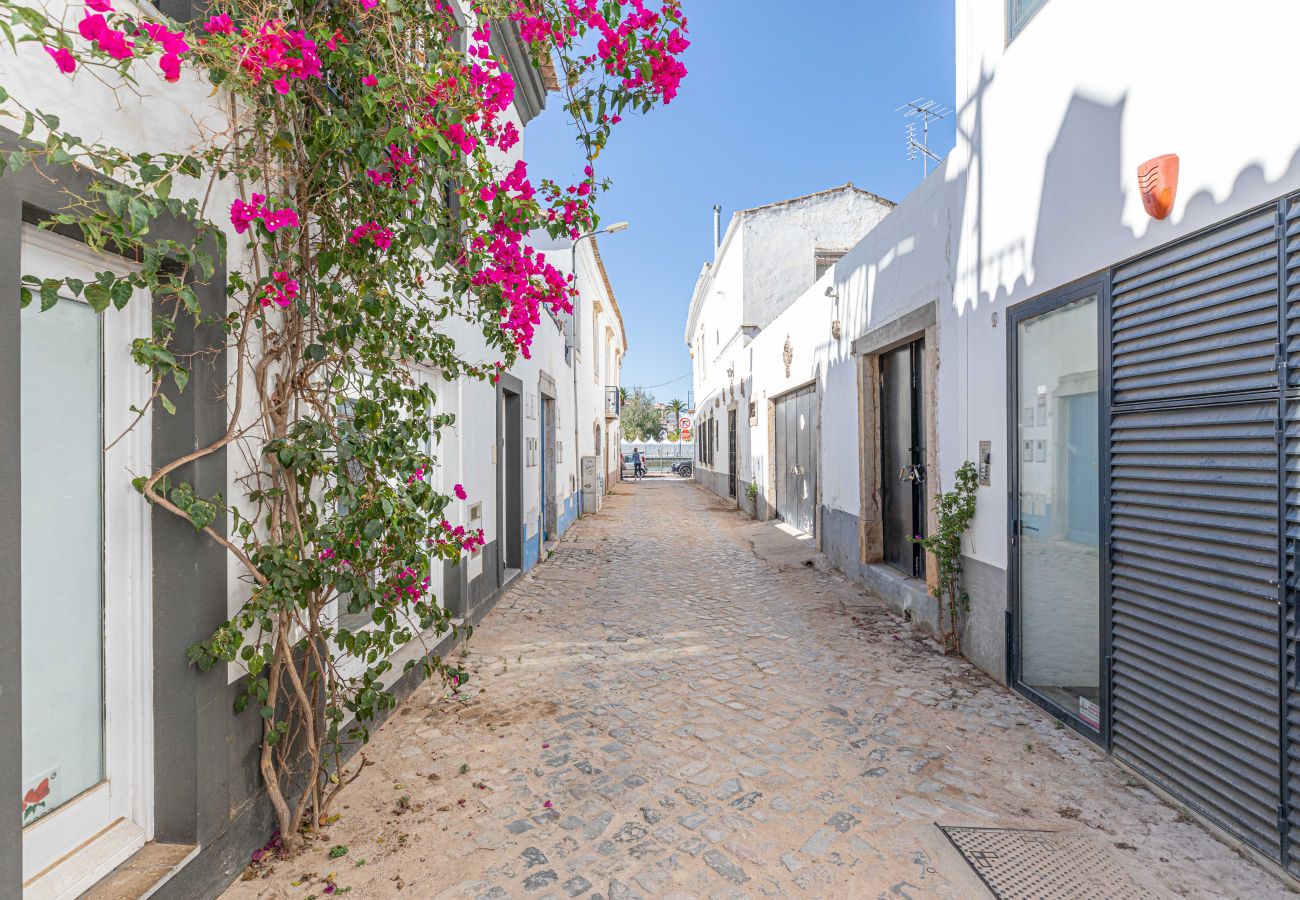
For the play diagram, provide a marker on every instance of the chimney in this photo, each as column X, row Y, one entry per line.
column 717, row 229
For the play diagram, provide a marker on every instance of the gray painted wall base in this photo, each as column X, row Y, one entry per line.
column 905, row 595
column 984, row 637
column 984, row 633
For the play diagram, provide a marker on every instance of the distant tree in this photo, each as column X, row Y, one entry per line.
column 674, row 436
column 622, row 395
column 676, row 406
column 639, row 418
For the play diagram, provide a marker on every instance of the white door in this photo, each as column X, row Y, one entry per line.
column 86, row 656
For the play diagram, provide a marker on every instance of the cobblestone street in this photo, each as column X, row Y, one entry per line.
column 663, row 711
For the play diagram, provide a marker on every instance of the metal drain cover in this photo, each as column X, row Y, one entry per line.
column 1020, row 864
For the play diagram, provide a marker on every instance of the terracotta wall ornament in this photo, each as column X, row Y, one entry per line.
column 1158, row 182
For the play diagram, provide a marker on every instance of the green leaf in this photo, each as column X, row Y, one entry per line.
column 167, row 404
column 97, row 296
column 182, row 496
column 202, row 514
column 49, row 294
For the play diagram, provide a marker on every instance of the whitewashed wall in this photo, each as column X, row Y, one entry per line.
column 1051, row 130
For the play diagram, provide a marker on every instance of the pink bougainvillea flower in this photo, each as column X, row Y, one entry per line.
column 460, row 492
column 220, row 24
column 109, row 40
column 545, row 745
column 63, row 58
column 171, row 41
column 242, row 215
column 100, row 5
column 547, row 804
column 277, row 52
column 170, row 64
column 369, row 4
column 369, row 80
column 379, row 236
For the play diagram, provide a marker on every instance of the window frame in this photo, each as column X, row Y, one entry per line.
column 1014, row 28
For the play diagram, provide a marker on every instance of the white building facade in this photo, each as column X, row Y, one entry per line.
column 1125, row 384
column 768, row 257
column 182, row 767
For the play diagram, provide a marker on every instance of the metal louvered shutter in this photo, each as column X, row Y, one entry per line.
column 1198, row 316
column 1291, row 485
column 1194, row 607
column 1194, row 522
column 1291, row 249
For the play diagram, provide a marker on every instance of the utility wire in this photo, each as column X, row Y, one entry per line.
column 646, row 387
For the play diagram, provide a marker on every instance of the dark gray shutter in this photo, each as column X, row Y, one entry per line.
column 1291, row 249
column 1291, row 486
column 1194, row 607
column 1198, row 316
column 1291, row 459
column 1194, row 553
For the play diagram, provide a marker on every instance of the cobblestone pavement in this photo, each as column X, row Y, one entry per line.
column 658, row 712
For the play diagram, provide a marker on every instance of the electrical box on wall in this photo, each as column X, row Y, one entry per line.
column 985, row 465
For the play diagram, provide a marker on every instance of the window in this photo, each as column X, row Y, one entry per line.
column 1019, row 12
column 825, row 259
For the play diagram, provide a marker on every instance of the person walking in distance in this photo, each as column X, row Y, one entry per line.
column 638, row 463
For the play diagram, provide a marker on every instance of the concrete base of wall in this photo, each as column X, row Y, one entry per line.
column 908, row 596
column 716, row 482
column 984, row 636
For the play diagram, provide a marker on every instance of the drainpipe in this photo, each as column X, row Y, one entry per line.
column 717, row 229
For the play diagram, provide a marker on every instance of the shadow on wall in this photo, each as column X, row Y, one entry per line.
column 1080, row 227
column 1079, row 230
column 912, row 258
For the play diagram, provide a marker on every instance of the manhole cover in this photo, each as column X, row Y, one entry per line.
column 1020, row 864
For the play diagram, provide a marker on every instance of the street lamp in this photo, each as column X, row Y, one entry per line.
column 614, row 228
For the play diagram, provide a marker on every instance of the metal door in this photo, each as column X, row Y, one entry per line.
column 902, row 455
column 796, row 458
column 731, row 453
column 1196, row 420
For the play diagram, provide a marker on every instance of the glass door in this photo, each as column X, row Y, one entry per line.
column 85, row 593
column 1056, row 509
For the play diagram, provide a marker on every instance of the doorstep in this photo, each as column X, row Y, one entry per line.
column 143, row 873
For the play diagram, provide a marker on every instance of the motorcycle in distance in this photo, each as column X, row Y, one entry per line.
column 682, row 469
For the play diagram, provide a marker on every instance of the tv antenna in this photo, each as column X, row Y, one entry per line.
column 926, row 111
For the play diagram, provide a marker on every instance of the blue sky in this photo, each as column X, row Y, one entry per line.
column 782, row 99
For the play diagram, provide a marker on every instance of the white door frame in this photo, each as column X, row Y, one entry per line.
column 69, row 849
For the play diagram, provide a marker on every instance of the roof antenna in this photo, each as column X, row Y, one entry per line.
column 926, row 111
column 717, row 228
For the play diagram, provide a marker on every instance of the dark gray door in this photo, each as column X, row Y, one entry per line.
column 902, row 456
column 511, row 526
column 1194, row 499
column 731, row 453
column 796, row 458
column 550, row 517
